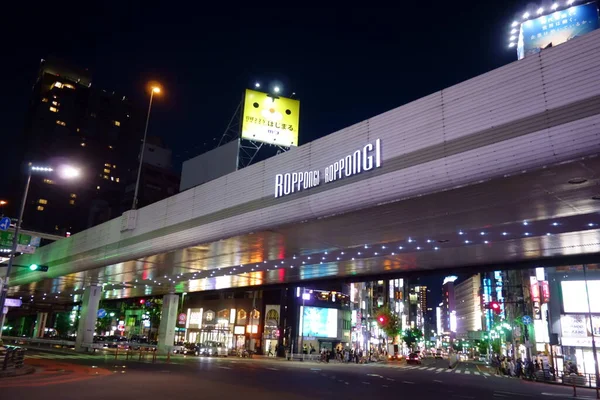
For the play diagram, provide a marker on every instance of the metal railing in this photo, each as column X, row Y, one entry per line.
column 12, row 358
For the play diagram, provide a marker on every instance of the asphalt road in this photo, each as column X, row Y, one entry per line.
column 99, row 377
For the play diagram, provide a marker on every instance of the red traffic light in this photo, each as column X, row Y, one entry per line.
column 495, row 306
column 142, row 301
column 381, row 320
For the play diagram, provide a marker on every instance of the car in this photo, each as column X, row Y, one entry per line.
column 483, row 359
column 439, row 355
column 178, row 348
column 213, row 349
column 413, row 358
column 394, row 357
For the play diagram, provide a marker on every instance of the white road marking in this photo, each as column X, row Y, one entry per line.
column 375, row 375
column 366, row 383
column 315, row 369
column 457, row 371
column 467, row 372
column 476, row 373
column 273, row 369
column 436, row 381
column 486, row 374
column 408, row 383
column 440, row 369
column 390, row 379
column 225, row 367
column 430, row 369
column 448, row 370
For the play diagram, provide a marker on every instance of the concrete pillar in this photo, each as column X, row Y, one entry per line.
column 168, row 319
column 40, row 324
column 87, row 318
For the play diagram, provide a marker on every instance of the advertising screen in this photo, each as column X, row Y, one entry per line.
column 270, row 119
column 575, row 297
column 319, row 322
column 556, row 28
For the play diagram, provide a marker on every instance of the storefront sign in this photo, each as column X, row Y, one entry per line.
column 365, row 159
column 238, row 330
column 544, row 291
column 181, row 318
column 534, row 289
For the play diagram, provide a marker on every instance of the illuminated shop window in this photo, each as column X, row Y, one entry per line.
column 43, row 201
column 40, row 208
column 61, row 123
column 53, row 109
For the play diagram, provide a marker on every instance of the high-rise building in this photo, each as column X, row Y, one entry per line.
column 71, row 122
column 158, row 180
column 467, row 300
column 448, row 306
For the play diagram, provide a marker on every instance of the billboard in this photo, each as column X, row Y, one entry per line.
column 319, row 322
column 574, row 296
column 556, row 28
column 270, row 119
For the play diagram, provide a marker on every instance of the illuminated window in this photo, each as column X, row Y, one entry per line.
column 40, row 208
column 72, row 202
column 114, row 166
column 105, row 176
column 97, row 187
column 112, row 178
column 82, row 144
column 117, row 179
column 53, row 109
column 61, row 123
column 73, row 196
column 48, row 181
column 55, row 103
column 107, row 165
column 44, row 100
column 58, row 85
column 67, row 86
column 43, row 201
column 110, row 147
column 117, row 123
column 106, row 171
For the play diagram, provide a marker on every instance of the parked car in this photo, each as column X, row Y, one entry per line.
column 413, row 358
column 178, row 348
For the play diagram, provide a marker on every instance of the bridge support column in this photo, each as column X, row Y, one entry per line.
column 168, row 319
column 40, row 324
column 87, row 318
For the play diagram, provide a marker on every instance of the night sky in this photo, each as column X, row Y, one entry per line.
column 344, row 64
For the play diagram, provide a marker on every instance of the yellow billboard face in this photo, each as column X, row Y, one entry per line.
column 270, row 119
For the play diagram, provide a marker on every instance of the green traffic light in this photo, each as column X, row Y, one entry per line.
column 33, row 267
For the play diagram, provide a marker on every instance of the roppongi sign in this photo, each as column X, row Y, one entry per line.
column 361, row 160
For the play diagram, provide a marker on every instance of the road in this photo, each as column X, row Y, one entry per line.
column 98, row 377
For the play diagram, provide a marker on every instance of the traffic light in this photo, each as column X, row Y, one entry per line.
column 381, row 319
column 40, row 268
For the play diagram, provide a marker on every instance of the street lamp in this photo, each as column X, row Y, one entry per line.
column 155, row 89
column 66, row 172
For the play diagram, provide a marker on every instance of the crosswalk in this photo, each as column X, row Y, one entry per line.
column 438, row 370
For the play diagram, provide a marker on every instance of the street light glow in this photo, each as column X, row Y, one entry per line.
column 68, row 172
column 526, row 15
column 540, row 11
column 257, row 85
column 42, row 169
column 569, row 2
column 554, row 6
column 156, row 89
column 276, row 89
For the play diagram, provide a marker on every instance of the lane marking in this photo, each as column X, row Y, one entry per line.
column 457, row 371
column 273, row 369
column 436, row 381
column 315, row 369
column 467, row 372
column 476, row 373
column 408, row 383
column 486, row 374
column 366, row 383
column 375, row 375
column 440, row 369
column 448, row 370
column 225, row 367
column 390, row 379
column 514, row 394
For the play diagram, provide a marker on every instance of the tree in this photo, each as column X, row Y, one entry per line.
column 412, row 336
column 388, row 322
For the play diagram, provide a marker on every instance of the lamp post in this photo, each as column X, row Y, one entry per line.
column 156, row 90
column 66, row 172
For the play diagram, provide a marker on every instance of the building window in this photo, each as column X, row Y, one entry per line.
column 43, row 201
column 44, row 100
column 48, row 181
column 117, row 180
column 53, row 109
column 117, row 123
column 55, row 103
column 73, row 196
column 61, row 123
column 105, row 176
column 112, row 178
column 114, row 166
column 106, row 171
column 107, row 165
column 82, row 144
column 77, row 129
column 58, row 85
column 97, row 187
column 110, row 147
column 40, row 208
column 67, row 86
column 72, row 202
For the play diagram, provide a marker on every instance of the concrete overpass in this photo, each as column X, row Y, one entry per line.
column 499, row 169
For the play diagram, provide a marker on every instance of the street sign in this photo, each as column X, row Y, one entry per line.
column 25, row 249
column 6, row 239
column 182, row 318
column 101, row 313
column 526, row 319
column 13, row 302
column 4, row 224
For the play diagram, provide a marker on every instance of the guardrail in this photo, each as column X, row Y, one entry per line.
column 71, row 343
column 12, row 358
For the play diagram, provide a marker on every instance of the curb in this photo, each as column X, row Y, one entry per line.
column 27, row 369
